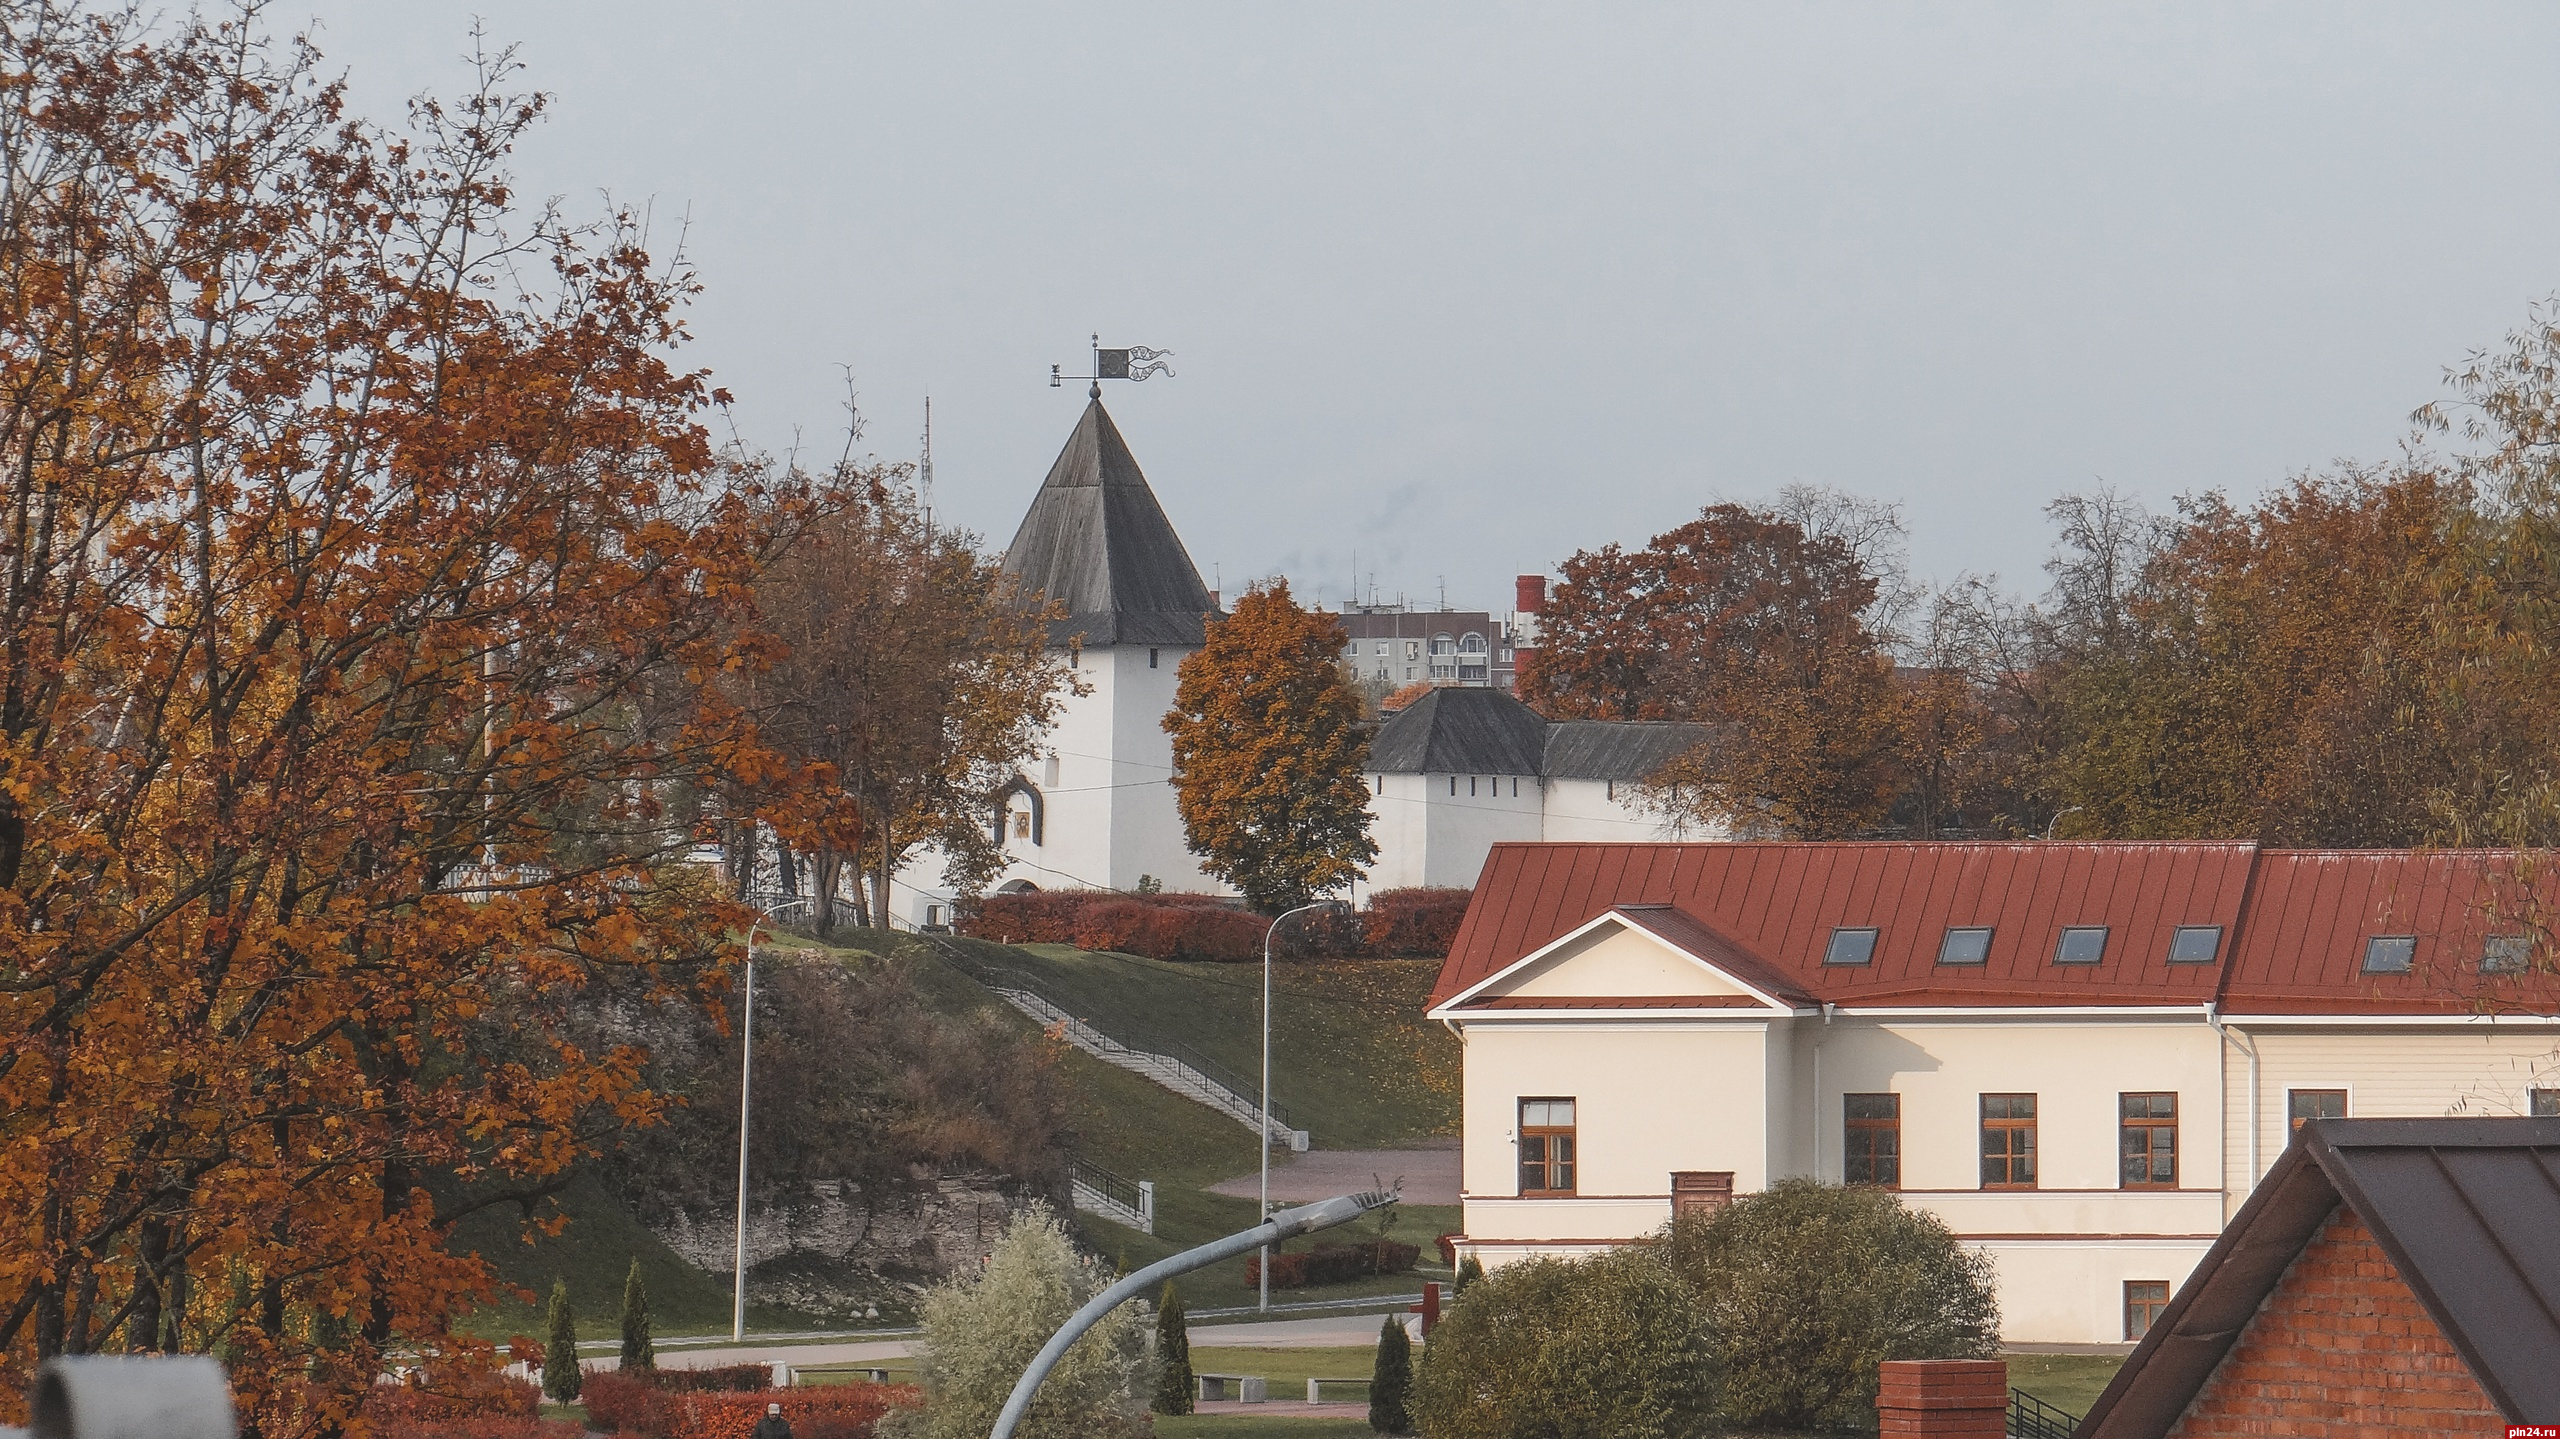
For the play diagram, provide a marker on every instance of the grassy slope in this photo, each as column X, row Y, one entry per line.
column 1369, row 1073
column 1351, row 1059
column 2065, row 1381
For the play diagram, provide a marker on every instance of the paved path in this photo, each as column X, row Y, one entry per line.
column 1430, row 1175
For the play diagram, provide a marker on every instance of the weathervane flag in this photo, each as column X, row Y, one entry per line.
column 1137, row 362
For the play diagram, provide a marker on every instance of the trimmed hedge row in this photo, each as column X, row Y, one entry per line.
column 467, row 1406
column 624, row 1405
column 1399, row 923
column 1333, row 1264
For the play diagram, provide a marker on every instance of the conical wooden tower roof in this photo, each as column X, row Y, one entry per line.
column 1097, row 542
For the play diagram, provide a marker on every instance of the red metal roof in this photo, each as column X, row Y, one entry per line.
column 2292, row 922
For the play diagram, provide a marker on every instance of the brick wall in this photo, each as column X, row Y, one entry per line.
column 1942, row 1399
column 2340, row 1348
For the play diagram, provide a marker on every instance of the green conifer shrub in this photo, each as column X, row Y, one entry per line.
column 639, row 1345
column 560, row 1377
column 1174, row 1383
column 1391, row 1380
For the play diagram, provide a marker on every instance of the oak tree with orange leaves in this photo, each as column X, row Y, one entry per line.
column 1268, row 753
column 1746, row 620
column 361, row 565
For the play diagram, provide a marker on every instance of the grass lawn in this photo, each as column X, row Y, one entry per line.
column 1287, row 1369
column 2065, row 1381
column 1253, row 1426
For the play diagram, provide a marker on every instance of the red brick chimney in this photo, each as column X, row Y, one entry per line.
column 1943, row 1398
column 1529, row 594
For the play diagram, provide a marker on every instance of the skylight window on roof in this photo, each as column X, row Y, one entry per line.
column 1851, row 946
column 2390, row 953
column 2506, row 953
column 1965, row 946
column 2081, row 944
column 2195, row 944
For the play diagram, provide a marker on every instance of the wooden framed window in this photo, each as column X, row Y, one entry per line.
column 2302, row 1104
column 2147, row 1140
column 2143, row 1301
column 1546, row 1148
column 1871, row 1139
column 2008, row 1141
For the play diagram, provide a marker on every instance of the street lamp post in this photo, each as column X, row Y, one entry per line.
column 1263, row 1119
column 746, row 1076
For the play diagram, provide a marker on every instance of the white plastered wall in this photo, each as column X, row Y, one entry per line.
column 2389, row 1072
column 1427, row 835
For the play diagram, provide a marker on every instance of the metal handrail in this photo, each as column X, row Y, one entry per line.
column 1105, row 1182
column 1136, row 1041
column 2032, row 1418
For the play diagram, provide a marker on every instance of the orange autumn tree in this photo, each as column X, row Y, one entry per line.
column 1267, row 753
column 362, row 568
column 1745, row 620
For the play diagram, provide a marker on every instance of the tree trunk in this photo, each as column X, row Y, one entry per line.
column 880, row 883
column 823, row 891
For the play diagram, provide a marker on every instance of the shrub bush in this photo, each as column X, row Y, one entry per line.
column 444, row 1395
column 1808, row 1286
column 463, row 1405
column 628, row 1404
column 1202, row 928
column 1610, row 1347
column 1333, row 1264
column 715, row 1379
column 980, row 1332
column 1413, row 923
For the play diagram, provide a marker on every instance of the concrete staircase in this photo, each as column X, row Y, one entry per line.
column 1184, row 1079
column 1099, row 1191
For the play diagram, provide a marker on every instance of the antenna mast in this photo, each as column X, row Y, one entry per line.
column 924, row 471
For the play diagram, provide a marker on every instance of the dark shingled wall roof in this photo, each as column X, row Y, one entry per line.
column 1460, row 731
column 1617, row 749
column 1486, row 731
column 1097, row 542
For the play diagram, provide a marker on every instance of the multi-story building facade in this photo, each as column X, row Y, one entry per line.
column 2080, row 1057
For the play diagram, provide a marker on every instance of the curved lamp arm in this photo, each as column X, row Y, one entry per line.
column 1305, row 1219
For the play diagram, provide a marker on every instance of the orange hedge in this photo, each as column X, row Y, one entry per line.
column 1331, row 1264
column 632, row 1406
column 1404, row 923
column 469, row 1405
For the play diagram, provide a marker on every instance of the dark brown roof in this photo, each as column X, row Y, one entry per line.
column 2467, row 1209
column 1097, row 542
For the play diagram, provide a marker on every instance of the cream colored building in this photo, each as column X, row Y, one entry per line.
column 2080, row 1057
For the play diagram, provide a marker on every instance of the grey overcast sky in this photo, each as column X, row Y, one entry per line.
column 1467, row 287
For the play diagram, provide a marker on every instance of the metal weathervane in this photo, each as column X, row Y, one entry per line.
column 1134, row 363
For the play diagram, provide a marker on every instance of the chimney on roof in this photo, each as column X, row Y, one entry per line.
column 1213, row 599
column 1942, row 1399
column 1529, row 594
